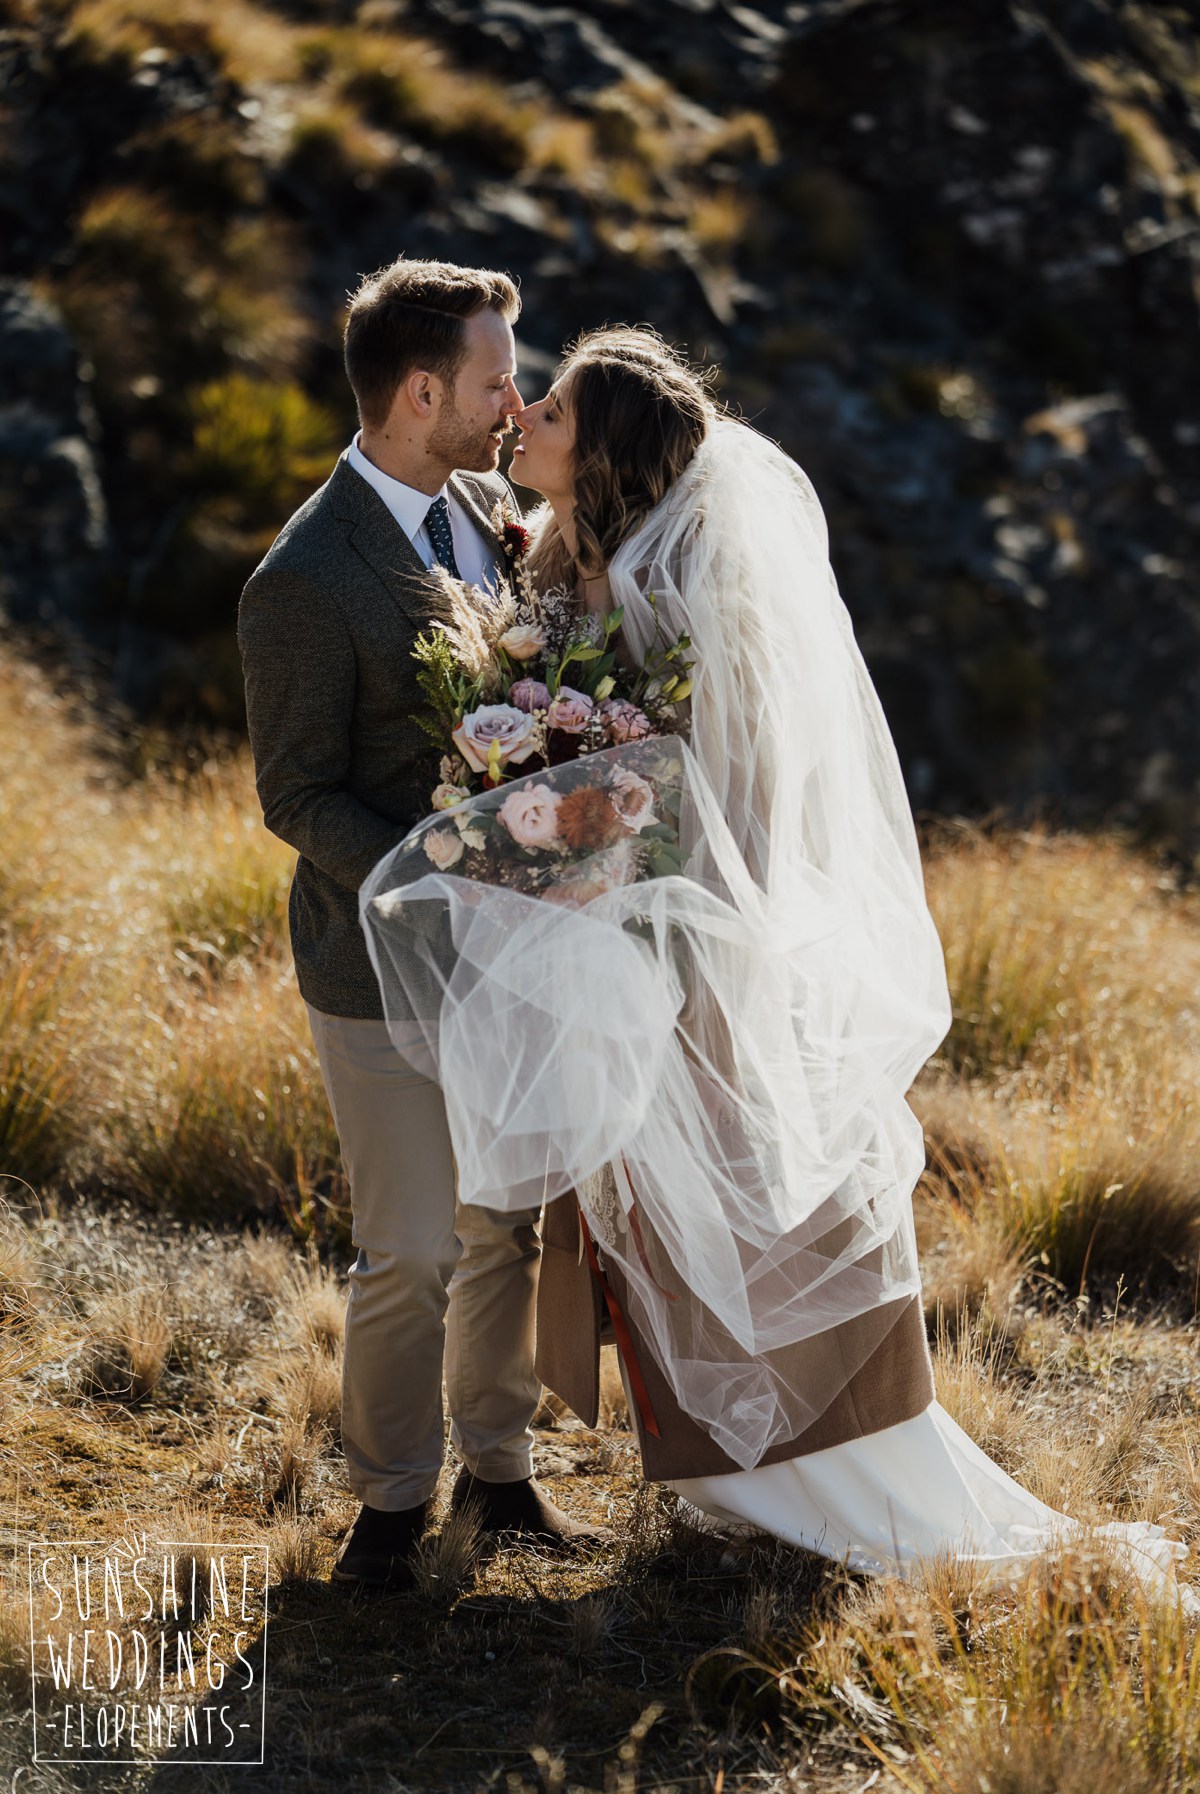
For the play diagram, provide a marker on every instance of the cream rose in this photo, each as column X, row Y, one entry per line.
column 531, row 816
column 570, row 711
column 504, row 724
column 443, row 848
column 524, row 641
column 448, row 797
column 633, row 799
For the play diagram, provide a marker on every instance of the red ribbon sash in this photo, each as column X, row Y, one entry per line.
column 637, row 1382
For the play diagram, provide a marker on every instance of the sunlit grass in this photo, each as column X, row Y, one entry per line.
column 228, row 1116
column 1060, row 947
column 1061, row 1194
column 1070, row 1682
column 1104, row 1182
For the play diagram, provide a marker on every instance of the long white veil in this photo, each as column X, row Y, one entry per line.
column 716, row 1060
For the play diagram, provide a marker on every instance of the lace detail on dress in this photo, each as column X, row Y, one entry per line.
column 601, row 1198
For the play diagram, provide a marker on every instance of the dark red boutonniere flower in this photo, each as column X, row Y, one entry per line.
column 514, row 537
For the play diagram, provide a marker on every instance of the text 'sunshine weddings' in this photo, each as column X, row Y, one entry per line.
column 152, row 1637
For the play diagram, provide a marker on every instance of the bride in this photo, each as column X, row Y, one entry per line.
column 708, row 1064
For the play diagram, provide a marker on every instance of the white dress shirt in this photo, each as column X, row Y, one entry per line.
column 476, row 562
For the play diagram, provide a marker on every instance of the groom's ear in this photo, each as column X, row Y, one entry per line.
column 423, row 391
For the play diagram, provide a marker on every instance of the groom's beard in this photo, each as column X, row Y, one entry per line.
column 460, row 443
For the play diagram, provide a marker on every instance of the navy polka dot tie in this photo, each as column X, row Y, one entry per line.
column 437, row 522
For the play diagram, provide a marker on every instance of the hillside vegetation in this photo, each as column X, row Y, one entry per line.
column 171, row 1247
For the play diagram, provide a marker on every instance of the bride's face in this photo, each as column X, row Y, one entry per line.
column 543, row 458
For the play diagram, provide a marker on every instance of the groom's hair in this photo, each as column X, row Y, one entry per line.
column 411, row 315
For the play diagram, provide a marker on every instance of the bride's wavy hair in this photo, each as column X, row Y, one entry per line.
column 640, row 412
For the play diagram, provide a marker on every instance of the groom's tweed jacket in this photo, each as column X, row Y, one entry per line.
column 326, row 626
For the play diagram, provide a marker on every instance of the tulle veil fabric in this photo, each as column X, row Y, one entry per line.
column 715, row 1059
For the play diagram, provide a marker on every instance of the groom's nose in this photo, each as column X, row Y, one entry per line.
column 513, row 402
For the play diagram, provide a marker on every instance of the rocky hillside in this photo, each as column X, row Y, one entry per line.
column 947, row 254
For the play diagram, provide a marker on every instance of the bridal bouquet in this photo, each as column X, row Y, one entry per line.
column 572, row 832
column 527, row 699
column 518, row 679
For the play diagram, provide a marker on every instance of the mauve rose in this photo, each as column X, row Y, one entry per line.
column 633, row 799
column 523, row 641
column 531, row 816
column 443, row 848
column 570, row 711
column 529, row 695
column 501, row 723
column 623, row 721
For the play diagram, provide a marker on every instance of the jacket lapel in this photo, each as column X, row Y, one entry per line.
column 378, row 538
column 479, row 502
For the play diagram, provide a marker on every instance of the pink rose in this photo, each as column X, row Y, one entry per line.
column 531, row 815
column 633, row 799
column 501, row 723
column 570, row 711
column 523, row 641
column 443, row 848
column 623, row 721
column 529, row 695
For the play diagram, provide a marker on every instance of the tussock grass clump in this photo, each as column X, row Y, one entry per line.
column 1104, row 1184
column 445, row 1561
column 225, row 880
column 250, row 43
column 968, row 1369
column 1059, row 949
column 1074, row 1675
column 236, row 1117
column 130, row 1339
column 405, row 85
column 43, row 1061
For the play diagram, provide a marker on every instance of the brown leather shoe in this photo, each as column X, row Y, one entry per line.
column 523, row 1508
column 376, row 1553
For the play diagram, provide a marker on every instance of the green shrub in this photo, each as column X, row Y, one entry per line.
column 261, row 442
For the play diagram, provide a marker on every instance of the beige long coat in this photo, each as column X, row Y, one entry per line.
column 894, row 1383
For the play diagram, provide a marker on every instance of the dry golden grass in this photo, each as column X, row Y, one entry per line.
column 1062, row 950
column 150, row 1031
column 1074, row 1676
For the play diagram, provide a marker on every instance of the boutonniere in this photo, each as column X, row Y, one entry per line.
column 514, row 537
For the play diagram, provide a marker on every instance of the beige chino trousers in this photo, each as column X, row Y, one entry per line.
column 438, row 1286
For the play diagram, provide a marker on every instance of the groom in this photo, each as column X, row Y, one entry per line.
column 327, row 625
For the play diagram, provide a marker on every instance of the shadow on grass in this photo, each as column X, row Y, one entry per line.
column 541, row 1673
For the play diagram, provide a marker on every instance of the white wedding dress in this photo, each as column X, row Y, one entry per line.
column 734, row 1038
column 915, row 1492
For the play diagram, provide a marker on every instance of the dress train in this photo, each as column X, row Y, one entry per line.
column 919, row 1490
